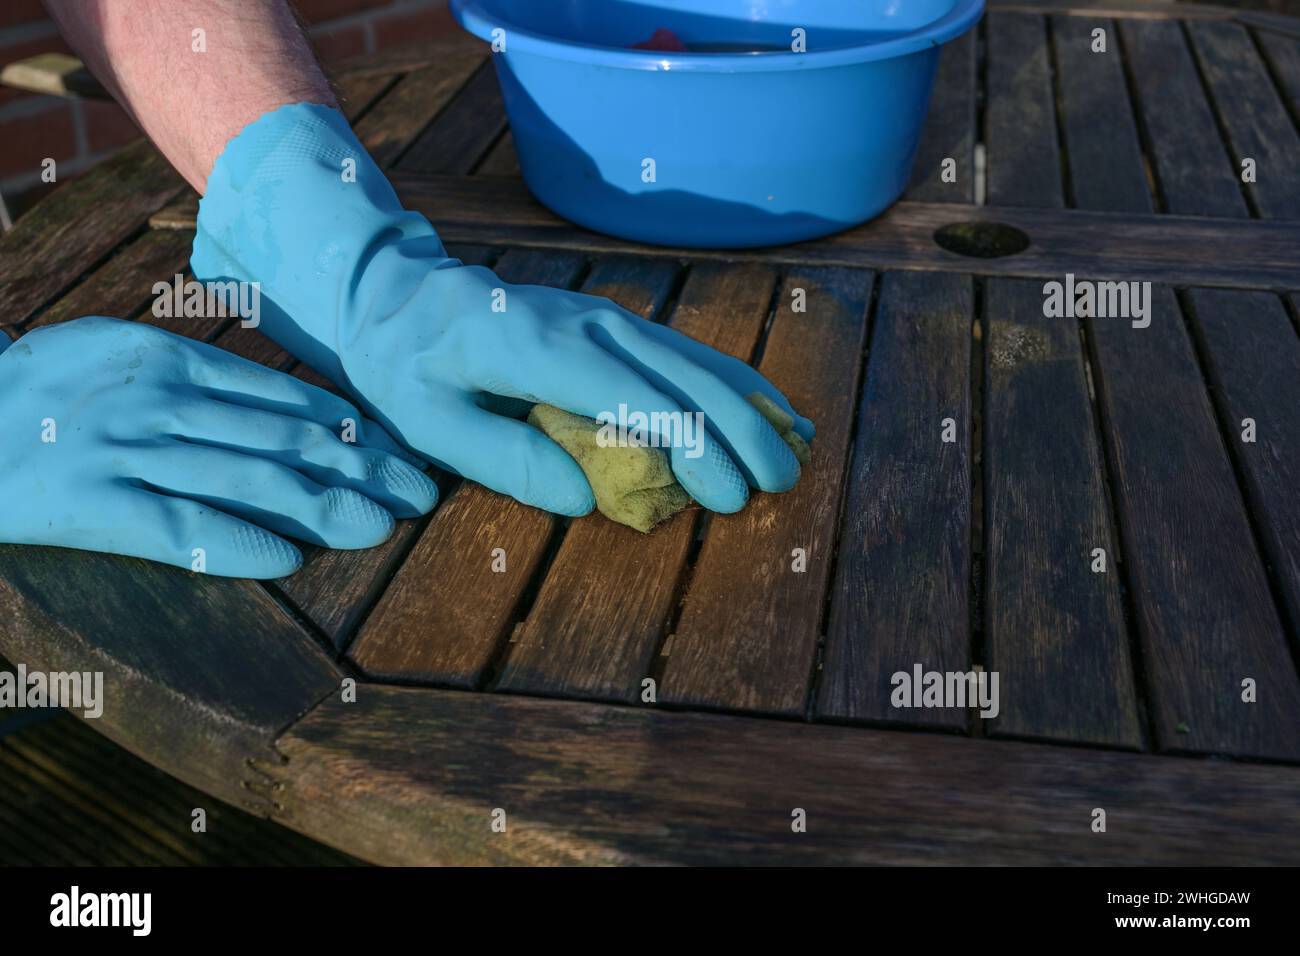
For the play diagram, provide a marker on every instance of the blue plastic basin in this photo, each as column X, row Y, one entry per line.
column 749, row 148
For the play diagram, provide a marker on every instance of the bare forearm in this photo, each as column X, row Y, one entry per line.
column 192, row 92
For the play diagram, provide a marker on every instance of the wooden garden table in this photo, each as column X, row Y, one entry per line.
column 523, row 691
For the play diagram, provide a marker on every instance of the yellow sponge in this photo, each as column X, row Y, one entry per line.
column 634, row 485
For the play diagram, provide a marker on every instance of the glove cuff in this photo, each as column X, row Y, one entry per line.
column 296, row 205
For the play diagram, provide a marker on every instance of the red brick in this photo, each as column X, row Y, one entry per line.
column 339, row 42
column 417, row 24
column 21, row 51
column 319, row 11
column 30, row 139
column 107, row 126
column 13, row 12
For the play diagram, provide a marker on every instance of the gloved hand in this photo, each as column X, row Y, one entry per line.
column 363, row 291
column 123, row 438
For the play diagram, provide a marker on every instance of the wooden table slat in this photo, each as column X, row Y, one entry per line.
column 1204, row 611
column 1105, row 160
column 949, row 131
column 394, row 123
column 901, row 593
column 65, row 236
column 501, row 160
column 602, row 610
column 357, row 93
column 1024, row 160
column 1193, row 171
column 408, row 57
column 1236, row 253
column 749, row 631
column 1253, row 116
column 586, row 783
column 1055, row 630
column 1282, row 54
column 463, row 132
column 1253, row 359
column 123, row 286
column 174, row 648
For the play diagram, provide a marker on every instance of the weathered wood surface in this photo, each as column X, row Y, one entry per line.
column 1253, row 361
column 1194, row 174
column 1281, row 52
column 1160, row 248
column 413, row 776
column 1201, row 597
column 123, row 287
column 901, row 591
column 1055, row 621
column 950, row 128
column 501, row 159
column 393, row 124
column 463, row 131
column 1253, row 117
column 200, row 673
column 750, row 626
column 1024, row 163
column 1236, row 253
column 1098, row 130
column 67, row 235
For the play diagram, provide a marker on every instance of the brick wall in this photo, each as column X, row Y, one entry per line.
column 79, row 133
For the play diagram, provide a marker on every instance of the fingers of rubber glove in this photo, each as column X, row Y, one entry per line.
column 265, row 492
column 315, row 451
column 595, row 383
column 240, row 382
column 194, row 536
column 767, row 461
column 741, row 376
column 506, row 455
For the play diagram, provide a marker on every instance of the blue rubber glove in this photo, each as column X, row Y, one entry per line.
column 123, row 438
column 362, row 290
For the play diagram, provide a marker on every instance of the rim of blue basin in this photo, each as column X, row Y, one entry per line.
column 474, row 17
